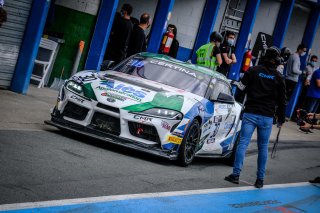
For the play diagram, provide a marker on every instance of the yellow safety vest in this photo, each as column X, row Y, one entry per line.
column 205, row 57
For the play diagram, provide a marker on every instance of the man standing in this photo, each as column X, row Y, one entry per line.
column 313, row 94
column 138, row 41
column 120, row 35
column 265, row 90
column 293, row 69
column 227, row 53
column 209, row 55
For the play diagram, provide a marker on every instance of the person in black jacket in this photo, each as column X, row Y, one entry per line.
column 120, row 35
column 138, row 41
column 266, row 96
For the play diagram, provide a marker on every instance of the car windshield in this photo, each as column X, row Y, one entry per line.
column 166, row 73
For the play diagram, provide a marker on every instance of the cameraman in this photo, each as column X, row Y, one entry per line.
column 265, row 90
column 311, row 116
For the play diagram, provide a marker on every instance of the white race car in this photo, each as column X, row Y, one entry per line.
column 155, row 104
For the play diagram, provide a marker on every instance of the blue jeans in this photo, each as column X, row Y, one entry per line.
column 313, row 104
column 264, row 127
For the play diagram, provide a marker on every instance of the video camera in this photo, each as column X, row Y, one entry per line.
column 302, row 118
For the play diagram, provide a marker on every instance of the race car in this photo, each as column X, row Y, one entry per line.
column 153, row 103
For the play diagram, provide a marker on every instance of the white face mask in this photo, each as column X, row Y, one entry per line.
column 230, row 41
column 303, row 54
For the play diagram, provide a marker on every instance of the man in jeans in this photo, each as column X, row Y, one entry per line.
column 265, row 90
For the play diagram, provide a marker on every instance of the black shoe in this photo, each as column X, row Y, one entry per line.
column 316, row 180
column 232, row 178
column 259, row 183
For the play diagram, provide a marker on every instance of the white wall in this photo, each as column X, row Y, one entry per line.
column 88, row 6
column 186, row 15
column 222, row 7
column 265, row 19
column 296, row 27
column 315, row 50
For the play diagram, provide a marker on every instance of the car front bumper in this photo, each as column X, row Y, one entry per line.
column 113, row 139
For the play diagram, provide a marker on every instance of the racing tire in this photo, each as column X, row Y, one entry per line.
column 230, row 160
column 189, row 144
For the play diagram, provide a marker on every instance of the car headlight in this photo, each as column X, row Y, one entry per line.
column 164, row 113
column 75, row 87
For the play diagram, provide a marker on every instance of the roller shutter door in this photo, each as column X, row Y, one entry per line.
column 11, row 35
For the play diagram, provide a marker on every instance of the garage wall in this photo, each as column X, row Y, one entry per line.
column 266, row 19
column 296, row 27
column 73, row 21
column 316, row 44
column 186, row 15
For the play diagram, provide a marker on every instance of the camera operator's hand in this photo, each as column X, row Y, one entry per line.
column 306, row 126
column 313, row 116
column 279, row 125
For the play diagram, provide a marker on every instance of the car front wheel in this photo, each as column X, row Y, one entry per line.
column 189, row 143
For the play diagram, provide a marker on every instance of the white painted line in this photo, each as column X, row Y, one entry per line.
column 88, row 200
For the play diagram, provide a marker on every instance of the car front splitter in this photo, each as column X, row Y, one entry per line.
column 113, row 139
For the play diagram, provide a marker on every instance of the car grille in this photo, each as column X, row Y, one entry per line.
column 106, row 123
column 144, row 131
column 75, row 111
column 110, row 108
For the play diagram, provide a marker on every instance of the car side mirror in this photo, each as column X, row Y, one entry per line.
column 107, row 65
column 225, row 98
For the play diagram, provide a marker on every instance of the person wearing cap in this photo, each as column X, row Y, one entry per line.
column 265, row 89
column 209, row 55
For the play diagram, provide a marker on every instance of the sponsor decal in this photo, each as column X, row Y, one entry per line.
column 77, row 98
column 217, row 119
column 211, row 140
column 201, row 108
column 228, row 125
column 123, row 88
column 178, row 134
column 142, row 118
column 216, row 129
column 82, row 79
column 173, row 66
column 130, row 96
column 135, row 63
column 207, row 125
column 111, row 100
column 174, row 139
column 114, row 96
column 165, row 125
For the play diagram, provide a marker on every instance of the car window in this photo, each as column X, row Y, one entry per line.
column 217, row 87
column 165, row 72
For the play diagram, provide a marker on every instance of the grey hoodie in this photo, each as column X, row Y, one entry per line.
column 293, row 68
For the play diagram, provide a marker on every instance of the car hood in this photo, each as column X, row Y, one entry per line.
column 133, row 93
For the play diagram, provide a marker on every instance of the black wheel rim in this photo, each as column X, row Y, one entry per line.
column 191, row 143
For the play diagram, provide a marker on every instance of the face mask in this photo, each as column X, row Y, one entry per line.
column 303, row 54
column 313, row 63
column 230, row 41
column 218, row 44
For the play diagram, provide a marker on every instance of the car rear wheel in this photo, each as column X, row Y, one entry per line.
column 189, row 144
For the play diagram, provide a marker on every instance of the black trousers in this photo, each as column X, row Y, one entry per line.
column 290, row 85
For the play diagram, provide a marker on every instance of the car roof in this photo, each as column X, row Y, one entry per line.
column 194, row 67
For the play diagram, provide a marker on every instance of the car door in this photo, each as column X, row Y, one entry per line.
column 222, row 120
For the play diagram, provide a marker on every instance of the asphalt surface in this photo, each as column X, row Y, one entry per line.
column 51, row 164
